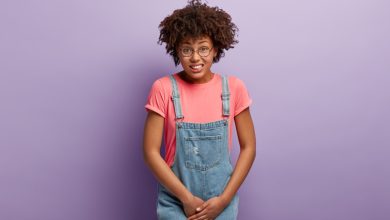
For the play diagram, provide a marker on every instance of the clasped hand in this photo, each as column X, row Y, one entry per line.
column 197, row 209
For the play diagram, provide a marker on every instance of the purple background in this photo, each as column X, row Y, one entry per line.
column 74, row 77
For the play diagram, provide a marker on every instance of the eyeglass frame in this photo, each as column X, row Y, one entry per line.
column 192, row 51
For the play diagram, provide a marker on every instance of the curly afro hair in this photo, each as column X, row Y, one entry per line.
column 197, row 20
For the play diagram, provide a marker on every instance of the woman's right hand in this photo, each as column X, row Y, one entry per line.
column 190, row 205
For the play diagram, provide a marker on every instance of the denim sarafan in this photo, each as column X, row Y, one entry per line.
column 202, row 160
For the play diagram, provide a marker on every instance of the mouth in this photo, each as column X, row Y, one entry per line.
column 197, row 67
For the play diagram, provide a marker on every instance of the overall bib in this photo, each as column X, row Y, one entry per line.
column 202, row 160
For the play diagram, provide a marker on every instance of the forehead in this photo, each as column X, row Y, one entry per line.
column 196, row 41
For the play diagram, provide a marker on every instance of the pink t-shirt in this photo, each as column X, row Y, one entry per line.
column 200, row 103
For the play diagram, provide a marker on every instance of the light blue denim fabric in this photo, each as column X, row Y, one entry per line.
column 202, row 160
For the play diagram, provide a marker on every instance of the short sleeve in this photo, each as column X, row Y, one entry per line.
column 156, row 99
column 242, row 98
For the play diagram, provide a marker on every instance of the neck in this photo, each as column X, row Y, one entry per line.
column 184, row 77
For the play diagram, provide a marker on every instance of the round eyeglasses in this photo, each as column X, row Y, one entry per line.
column 202, row 51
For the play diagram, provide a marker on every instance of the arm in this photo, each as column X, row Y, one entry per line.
column 153, row 130
column 247, row 140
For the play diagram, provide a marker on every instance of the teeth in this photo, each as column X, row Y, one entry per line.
column 196, row 67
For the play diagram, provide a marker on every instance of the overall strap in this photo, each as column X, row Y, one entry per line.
column 225, row 96
column 176, row 98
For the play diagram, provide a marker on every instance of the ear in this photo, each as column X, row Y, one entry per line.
column 215, row 51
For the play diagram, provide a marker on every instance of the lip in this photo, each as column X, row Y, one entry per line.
column 196, row 70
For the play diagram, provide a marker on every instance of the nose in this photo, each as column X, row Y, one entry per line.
column 195, row 56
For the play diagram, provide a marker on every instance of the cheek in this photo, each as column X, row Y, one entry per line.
column 182, row 60
column 210, row 59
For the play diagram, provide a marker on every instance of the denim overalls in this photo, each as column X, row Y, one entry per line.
column 202, row 160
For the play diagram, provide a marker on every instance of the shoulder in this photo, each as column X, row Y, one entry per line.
column 235, row 83
column 162, row 85
column 240, row 94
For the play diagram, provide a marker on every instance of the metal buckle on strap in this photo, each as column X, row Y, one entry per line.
column 175, row 97
column 225, row 96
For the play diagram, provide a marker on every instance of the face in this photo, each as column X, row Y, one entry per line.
column 196, row 57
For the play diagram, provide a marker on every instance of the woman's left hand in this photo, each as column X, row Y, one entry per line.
column 209, row 210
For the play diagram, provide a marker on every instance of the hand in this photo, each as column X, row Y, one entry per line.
column 191, row 205
column 210, row 209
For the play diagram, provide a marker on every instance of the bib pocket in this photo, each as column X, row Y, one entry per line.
column 203, row 152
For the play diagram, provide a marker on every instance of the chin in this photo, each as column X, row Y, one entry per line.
column 195, row 75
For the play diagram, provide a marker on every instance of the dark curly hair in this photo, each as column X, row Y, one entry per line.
column 198, row 20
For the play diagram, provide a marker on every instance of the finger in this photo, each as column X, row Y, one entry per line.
column 203, row 217
column 202, row 207
column 193, row 217
column 199, row 216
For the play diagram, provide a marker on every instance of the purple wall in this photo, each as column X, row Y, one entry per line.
column 74, row 77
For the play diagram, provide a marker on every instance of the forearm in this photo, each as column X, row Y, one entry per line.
column 244, row 163
column 166, row 177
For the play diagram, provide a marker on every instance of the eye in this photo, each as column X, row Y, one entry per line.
column 203, row 49
column 186, row 50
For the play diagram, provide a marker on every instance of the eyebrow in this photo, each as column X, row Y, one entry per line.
column 204, row 41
